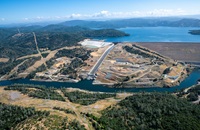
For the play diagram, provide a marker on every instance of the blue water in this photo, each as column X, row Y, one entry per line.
column 87, row 85
column 157, row 34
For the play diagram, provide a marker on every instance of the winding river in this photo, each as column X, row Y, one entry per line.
column 87, row 85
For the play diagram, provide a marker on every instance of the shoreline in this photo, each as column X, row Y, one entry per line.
column 110, row 85
column 88, row 86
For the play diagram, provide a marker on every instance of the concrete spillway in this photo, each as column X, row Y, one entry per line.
column 91, row 74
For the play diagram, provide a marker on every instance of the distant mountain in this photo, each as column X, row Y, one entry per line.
column 62, row 28
column 136, row 22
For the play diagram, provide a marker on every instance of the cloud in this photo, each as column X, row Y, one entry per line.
column 2, row 19
column 40, row 18
column 75, row 16
column 104, row 14
column 152, row 13
column 26, row 19
column 165, row 12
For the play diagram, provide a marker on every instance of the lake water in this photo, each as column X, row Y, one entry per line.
column 157, row 34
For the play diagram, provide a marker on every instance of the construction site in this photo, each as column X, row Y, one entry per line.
column 113, row 65
column 134, row 66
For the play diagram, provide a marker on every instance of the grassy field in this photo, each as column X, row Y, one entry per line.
column 59, row 109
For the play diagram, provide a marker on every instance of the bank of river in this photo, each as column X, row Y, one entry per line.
column 87, row 85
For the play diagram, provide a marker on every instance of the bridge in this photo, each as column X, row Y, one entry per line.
column 92, row 73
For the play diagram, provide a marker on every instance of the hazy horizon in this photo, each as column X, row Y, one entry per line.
column 31, row 11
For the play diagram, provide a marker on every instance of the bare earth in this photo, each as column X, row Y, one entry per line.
column 4, row 59
column 16, row 98
column 178, row 51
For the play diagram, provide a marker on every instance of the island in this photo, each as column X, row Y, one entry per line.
column 194, row 32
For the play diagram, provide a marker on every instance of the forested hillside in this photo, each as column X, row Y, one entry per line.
column 10, row 115
column 16, row 117
column 150, row 112
column 140, row 111
column 14, row 44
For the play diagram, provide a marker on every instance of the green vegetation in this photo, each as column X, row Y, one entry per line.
column 71, row 68
column 54, row 41
column 16, row 117
column 149, row 112
column 10, row 115
column 27, row 63
column 44, row 55
column 51, row 122
column 6, row 32
column 84, row 98
column 139, row 52
column 79, row 54
column 14, row 44
column 167, row 70
column 104, row 33
column 147, row 50
column 8, row 66
column 135, row 22
column 61, row 28
column 192, row 93
column 76, row 52
column 17, row 46
column 39, row 69
column 67, row 111
column 36, row 91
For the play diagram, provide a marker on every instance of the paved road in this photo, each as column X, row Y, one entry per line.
column 99, row 62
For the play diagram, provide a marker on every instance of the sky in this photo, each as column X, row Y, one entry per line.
column 21, row 11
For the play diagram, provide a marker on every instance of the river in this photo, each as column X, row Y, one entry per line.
column 87, row 85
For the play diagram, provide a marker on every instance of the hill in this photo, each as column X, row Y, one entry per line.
column 150, row 111
column 136, row 22
column 65, row 109
column 15, row 44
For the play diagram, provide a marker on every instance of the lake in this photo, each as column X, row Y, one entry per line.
column 157, row 34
